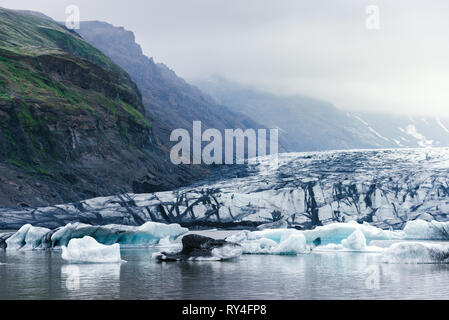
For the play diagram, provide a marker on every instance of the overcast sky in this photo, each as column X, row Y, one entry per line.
column 319, row 48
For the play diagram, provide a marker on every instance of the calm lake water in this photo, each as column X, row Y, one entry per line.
column 44, row 275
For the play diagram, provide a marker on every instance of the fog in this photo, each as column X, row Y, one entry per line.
column 332, row 50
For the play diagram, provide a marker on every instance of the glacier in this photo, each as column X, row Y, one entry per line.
column 88, row 250
column 385, row 188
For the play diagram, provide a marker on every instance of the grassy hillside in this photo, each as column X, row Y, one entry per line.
column 72, row 123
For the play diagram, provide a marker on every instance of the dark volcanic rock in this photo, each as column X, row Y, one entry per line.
column 196, row 247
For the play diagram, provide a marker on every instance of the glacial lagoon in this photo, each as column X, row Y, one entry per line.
column 318, row 275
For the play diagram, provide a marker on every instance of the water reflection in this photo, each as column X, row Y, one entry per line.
column 88, row 281
column 44, row 275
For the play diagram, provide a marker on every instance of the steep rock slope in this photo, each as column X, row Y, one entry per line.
column 172, row 102
column 72, row 123
column 312, row 125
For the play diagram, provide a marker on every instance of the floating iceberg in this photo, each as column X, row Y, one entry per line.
column 414, row 252
column 88, row 250
column 28, row 237
column 350, row 236
column 337, row 232
column 356, row 242
column 199, row 248
column 151, row 233
column 424, row 230
column 278, row 241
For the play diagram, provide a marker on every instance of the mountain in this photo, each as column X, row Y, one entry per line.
column 385, row 188
column 312, row 125
column 407, row 131
column 72, row 122
column 171, row 102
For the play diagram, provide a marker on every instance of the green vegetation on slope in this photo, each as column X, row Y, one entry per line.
column 63, row 102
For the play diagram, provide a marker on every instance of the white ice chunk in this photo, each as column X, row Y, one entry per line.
column 227, row 252
column 271, row 241
column 88, row 250
column 337, row 232
column 356, row 241
column 26, row 238
column 415, row 252
column 424, row 230
column 292, row 244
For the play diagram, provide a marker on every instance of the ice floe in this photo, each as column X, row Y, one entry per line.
column 272, row 241
column 88, row 250
column 337, row 232
column 148, row 234
column 426, row 230
column 27, row 237
column 356, row 242
column 415, row 252
column 200, row 248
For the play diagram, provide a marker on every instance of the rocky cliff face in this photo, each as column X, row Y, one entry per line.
column 385, row 188
column 72, row 123
column 171, row 101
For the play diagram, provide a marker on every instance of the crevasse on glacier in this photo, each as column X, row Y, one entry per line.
column 386, row 188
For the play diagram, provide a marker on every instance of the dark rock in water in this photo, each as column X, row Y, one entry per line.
column 196, row 247
column 3, row 238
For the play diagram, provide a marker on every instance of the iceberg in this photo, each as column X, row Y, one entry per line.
column 415, row 252
column 26, row 238
column 424, row 230
column 350, row 236
column 147, row 234
column 356, row 242
column 88, row 250
column 199, row 248
column 337, row 232
column 269, row 241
